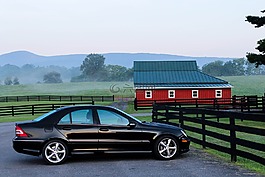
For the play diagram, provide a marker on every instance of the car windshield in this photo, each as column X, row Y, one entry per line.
column 43, row 116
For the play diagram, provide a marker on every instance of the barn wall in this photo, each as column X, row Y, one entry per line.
column 162, row 94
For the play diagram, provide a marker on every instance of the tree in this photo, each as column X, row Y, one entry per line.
column 52, row 77
column 258, row 59
column 214, row 68
column 16, row 81
column 93, row 67
column 8, row 81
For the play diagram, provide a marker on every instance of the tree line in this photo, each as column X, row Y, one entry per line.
column 93, row 68
column 236, row 67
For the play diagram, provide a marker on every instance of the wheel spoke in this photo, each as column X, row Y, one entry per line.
column 49, row 148
column 163, row 144
column 50, row 156
column 56, row 146
column 168, row 152
column 168, row 142
column 174, row 148
column 57, row 157
column 162, row 150
column 61, row 151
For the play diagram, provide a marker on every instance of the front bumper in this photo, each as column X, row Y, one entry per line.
column 184, row 144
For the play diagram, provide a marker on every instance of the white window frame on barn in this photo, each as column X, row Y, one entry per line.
column 195, row 93
column 171, row 94
column 218, row 94
column 148, row 94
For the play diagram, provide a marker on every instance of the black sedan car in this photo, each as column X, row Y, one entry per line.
column 80, row 129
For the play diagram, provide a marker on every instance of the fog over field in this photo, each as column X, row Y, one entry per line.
column 30, row 68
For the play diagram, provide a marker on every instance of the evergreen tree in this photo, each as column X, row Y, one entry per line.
column 258, row 59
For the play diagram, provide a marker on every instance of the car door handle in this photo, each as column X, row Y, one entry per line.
column 67, row 128
column 104, row 129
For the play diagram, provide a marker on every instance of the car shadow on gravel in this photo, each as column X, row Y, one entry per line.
column 113, row 156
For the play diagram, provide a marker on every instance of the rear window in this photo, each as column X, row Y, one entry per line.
column 43, row 116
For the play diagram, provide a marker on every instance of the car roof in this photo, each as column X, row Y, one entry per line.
column 85, row 106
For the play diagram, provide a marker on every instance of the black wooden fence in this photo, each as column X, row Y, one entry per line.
column 35, row 109
column 55, row 98
column 205, row 124
column 242, row 103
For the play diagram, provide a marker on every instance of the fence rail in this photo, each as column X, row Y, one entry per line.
column 36, row 109
column 242, row 103
column 55, row 98
column 200, row 121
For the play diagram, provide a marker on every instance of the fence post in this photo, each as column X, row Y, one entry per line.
column 263, row 103
column 154, row 113
column 32, row 109
column 13, row 111
column 135, row 104
column 242, row 102
column 203, row 131
column 113, row 98
column 232, row 139
column 167, row 117
column 181, row 120
column 234, row 101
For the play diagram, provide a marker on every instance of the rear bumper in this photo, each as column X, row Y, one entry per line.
column 30, row 147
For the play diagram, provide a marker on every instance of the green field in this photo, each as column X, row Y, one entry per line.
column 247, row 85
column 242, row 85
column 74, row 88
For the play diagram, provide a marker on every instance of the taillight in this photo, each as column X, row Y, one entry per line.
column 20, row 132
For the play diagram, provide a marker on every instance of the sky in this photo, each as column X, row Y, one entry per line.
column 180, row 27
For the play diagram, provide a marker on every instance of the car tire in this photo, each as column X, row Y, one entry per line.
column 166, row 148
column 55, row 152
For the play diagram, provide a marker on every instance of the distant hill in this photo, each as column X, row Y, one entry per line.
column 19, row 58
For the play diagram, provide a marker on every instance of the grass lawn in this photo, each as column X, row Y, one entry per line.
column 247, row 85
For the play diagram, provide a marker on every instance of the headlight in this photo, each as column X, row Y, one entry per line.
column 182, row 131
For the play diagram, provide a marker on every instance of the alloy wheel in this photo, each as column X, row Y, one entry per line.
column 55, row 152
column 167, row 148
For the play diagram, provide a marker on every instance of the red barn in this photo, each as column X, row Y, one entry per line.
column 169, row 80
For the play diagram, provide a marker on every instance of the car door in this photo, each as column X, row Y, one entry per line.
column 80, row 130
column 118, row 132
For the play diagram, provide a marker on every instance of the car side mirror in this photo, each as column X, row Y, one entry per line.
column 131, row 125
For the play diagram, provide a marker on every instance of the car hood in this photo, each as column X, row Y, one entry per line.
column 162, row 125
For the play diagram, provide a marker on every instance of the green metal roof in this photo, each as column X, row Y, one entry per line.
column 165, row 66
column 173, row 74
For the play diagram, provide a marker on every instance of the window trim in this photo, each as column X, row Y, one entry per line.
column 220, row 92
column 197, row 93
column 148, row 92
column 173, row 93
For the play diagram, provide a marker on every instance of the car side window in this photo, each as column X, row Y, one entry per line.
column 111, row 118
column 78, row 117
column 65, row 120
